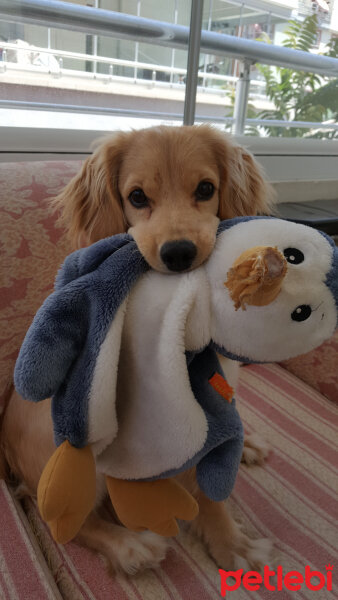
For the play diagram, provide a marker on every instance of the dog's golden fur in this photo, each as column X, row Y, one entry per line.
column 167, row 163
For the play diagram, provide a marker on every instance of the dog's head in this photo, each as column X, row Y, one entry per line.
column 167, row 186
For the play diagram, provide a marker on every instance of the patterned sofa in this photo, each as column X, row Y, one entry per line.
column 293, row 406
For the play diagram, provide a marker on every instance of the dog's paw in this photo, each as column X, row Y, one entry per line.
column 255, row 554
column 133, row 552
column 242, row 553
column 21, row 491
column 255, row 450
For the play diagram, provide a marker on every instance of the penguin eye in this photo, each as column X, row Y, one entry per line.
column 301, row 313
column 293, row 256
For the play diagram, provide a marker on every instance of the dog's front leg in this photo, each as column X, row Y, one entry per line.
column 124, row 550
column 228, row 545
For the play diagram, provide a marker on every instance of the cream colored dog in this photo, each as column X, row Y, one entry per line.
column 169, row 187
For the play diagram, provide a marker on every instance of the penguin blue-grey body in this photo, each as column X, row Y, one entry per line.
column 127, row 353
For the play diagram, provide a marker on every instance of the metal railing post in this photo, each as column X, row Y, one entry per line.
column 137, row 44
column 95, row 43
column 241, row 98
column 207, row 56
column 3, row 62
column 60, row 61
column 193, row 61
column 173, row 49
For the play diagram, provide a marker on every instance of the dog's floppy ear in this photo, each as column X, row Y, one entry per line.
column 244, row 190
column 90, row 206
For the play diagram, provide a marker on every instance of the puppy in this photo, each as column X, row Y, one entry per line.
column 169, row 187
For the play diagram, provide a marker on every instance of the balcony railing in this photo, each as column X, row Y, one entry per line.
column 112, row 62
column 63, row 15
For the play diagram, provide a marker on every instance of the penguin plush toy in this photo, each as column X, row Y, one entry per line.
column 129, row 357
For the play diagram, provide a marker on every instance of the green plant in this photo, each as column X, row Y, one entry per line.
column 296, row 95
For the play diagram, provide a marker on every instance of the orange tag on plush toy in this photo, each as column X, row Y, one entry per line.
column 221, row 386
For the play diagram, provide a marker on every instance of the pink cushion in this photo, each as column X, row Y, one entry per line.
column 318, row 368
column 290, row 500
column 32, row 248
column 24, row 572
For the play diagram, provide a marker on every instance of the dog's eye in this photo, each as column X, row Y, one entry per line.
column 138, row 198
column 205, row 190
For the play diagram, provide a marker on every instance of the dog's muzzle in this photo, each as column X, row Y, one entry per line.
column 178, row 255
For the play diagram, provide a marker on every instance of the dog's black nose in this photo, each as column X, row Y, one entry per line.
column 178, row 255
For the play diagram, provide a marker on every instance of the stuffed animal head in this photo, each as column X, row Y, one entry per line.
column 187, row 311
column 304, row 312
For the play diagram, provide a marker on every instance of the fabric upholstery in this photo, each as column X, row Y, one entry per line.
column 290, row 501
column 24, row 572
column 32, row 248
column 318, row 368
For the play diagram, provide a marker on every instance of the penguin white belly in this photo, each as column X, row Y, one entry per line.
column 160, row 424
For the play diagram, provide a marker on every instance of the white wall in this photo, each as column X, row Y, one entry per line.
column 302, row 170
